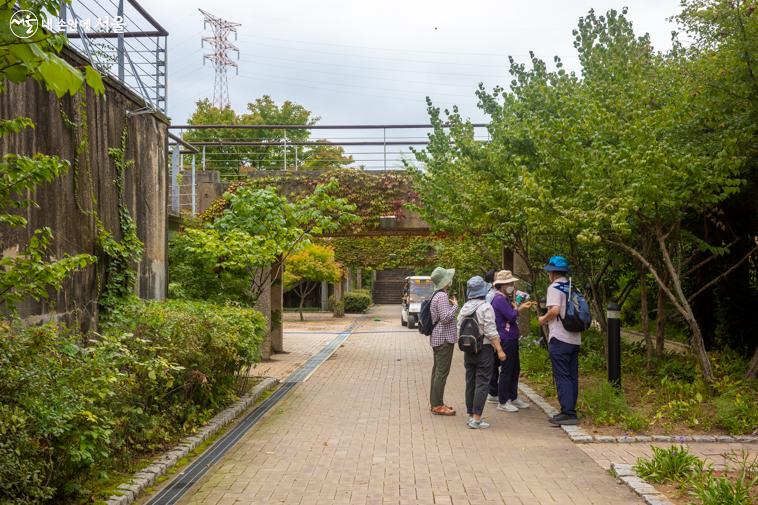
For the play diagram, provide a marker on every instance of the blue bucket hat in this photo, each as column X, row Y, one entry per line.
column 557, row 264
column 476, row 287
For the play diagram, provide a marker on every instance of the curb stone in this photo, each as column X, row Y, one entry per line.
column 627, row 475
column 578, row 435
column 147, row 476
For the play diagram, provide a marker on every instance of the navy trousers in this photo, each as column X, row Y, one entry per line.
column 565, row 359
column 505, row 374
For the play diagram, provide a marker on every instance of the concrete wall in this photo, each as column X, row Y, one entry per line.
column 145, row 190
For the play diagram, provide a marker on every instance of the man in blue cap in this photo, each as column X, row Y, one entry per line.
column 563, row 345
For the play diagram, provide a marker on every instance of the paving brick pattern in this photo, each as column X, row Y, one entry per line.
column 359, row 431
column 301, row 341
column 605, row 454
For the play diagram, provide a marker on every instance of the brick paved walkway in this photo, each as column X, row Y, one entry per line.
column 359, row 431
column 302, row 340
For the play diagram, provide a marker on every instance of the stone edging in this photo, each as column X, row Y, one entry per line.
column 577, row 433
column 627, row 475
column 147, row 476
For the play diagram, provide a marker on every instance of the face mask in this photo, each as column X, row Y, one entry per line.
column 509, row 289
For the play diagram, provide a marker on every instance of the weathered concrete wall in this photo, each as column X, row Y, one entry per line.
column 67, row 205
column 208, row 187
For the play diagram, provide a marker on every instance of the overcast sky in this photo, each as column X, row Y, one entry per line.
column 374, row 62
column 353, row 62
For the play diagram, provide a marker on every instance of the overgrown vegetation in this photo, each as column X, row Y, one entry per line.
column 75, row 407
column 737, row 484
column 673, row 398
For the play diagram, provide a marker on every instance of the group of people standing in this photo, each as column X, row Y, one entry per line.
column 492, row 372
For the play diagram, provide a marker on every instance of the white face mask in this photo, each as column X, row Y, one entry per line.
column 509, row 289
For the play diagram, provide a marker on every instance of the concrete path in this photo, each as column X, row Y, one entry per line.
column 359, row 431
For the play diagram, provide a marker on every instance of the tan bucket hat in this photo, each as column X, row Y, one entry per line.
column 504, row 277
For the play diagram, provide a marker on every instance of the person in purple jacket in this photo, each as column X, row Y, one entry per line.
column 504, row 382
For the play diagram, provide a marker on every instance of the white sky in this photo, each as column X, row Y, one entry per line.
column 374, row 62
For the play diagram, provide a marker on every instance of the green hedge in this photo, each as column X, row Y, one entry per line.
column 357, row 301
column 73, row 408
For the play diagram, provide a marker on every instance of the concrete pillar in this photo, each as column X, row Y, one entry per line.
column 348, row 279
column 338, row 291
column 324, row 296
column 277, row 305
column 358, row 278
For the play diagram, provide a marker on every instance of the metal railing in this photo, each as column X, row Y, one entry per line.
column 121, row 39
column 238, row 150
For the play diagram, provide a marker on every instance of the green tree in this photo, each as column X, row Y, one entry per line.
column 324, row 157
column 306, row 268
column 615, row 161
column 263, row 111
column 232, row 257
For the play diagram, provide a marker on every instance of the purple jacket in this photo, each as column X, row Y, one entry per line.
column 506, row 317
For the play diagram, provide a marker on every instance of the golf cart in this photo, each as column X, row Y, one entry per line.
column 416, row 289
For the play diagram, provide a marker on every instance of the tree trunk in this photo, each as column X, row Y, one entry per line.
column 644, row 317
column 698, row 347
column 752, row 368
column 660, row 324
column 302, row 295
column 683, row 306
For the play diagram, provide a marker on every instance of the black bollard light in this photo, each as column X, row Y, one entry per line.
column 614, row 343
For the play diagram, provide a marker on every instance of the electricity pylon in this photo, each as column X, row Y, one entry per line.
column 220, row 57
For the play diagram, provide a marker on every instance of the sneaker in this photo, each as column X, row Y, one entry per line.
column 492, row 399
column 478, row 425
column 507, row 407
column 518, row 402
column 563, row 419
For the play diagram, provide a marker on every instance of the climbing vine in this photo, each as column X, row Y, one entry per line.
column 120, row 274
column 120, row 256
column 374, row 195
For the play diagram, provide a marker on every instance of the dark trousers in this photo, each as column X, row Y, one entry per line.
column 504, row 380
column 478, row 372
column 443, row 355
column 565, row 359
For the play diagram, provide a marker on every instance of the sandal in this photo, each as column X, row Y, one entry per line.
column 442, row 410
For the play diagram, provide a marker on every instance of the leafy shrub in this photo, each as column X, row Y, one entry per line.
column 634, row 422
column 604, row 403
column 72, row 407
column 211, row 343
column 674, row 464
column 338, row 308
column 357, row 301
column 54, row 411
column 737, row 412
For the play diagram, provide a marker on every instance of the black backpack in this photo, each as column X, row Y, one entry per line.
column 425, row 323
column 470, row 338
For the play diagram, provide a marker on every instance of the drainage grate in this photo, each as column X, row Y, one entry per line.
column 195, row 470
